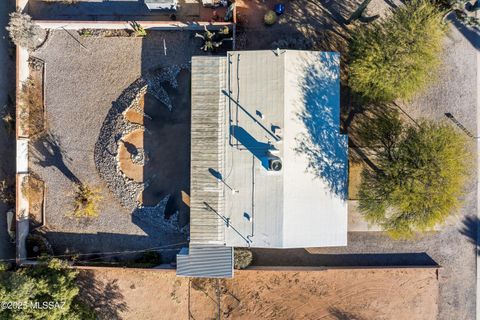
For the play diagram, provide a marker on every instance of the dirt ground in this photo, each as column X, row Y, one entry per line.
column 258, row 294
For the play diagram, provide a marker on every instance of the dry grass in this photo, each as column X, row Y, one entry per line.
column 33, row 189
column 31, row 111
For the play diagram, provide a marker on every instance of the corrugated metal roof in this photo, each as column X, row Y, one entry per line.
column 206, row 198
column 206, row 262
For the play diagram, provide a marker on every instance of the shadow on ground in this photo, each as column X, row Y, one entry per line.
column 302, row 258
column 48, row 152
column 339, row 314
column 470, row 230
column 127, row 247
column 104, row 297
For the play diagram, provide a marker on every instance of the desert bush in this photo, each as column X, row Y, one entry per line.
column 86, row 202
column 138, row 30
column 395, row 58
column 50, row 281
column 419, row 177
column 8, row 118
column 85, row 32
column 24, row 32
column 7, row 195
column 30, row 105
column 242, row 258
column 270, row 18
column 31, row 186
column 213, row 40
column 9, row 122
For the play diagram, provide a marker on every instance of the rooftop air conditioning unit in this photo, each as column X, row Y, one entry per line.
column 274, row 164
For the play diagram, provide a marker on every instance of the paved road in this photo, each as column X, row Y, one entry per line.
column 7, row 142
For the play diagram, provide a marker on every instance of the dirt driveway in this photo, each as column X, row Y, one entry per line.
column 402, row 293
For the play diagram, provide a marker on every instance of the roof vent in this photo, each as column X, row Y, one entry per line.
column 275, row 164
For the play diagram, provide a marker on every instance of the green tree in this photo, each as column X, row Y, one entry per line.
column 51, row 281
column 419, row 176
column 395, row 57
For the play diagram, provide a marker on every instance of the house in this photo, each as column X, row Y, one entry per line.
column 268, row 162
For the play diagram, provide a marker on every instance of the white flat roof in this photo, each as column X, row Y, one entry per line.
column 288, row 101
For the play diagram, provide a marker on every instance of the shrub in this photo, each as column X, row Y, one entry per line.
column 138, row 30
column 242, row 258
column 396, row 57
column 7, row 195
column 30, row 104
column 51, row 281
column 419, row 176
column 85, row 32
column 24, row 32
column 213, row 40
column 8, row 119
column 86, row 202
column 270, row 17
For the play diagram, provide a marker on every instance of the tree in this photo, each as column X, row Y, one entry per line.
column 396, row 57
column 419, row 175
column 36, row 286
column 24, row 32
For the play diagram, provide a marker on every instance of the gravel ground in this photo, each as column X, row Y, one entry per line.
column 7, row 139
column 82, row 85
column 454, row 247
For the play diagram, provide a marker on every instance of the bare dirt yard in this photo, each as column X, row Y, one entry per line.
column 359, row 294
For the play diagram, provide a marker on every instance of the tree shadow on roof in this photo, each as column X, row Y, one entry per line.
column 325, row 148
